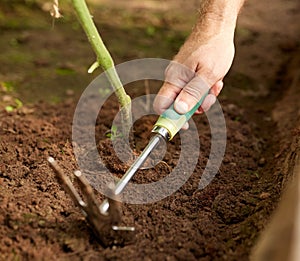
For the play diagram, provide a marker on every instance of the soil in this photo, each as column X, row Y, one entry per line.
column 38, row 220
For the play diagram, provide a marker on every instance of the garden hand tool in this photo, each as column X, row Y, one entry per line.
column 105, row 218
column 166, row 127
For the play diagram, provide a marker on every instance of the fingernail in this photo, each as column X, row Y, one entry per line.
column 181, row 107
column 185, row 126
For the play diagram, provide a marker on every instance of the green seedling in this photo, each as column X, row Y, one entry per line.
column 104, row 91
column 18, row 104
column 103, row 58
column 105, row 61
column 9, row 108
column 7, row 86
column 114, row 133
column 256, row 175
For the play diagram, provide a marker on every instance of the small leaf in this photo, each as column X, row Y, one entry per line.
column 104, row 91
column 9, row 108
column 114, row 129
column 19, row 103
column 93, row 67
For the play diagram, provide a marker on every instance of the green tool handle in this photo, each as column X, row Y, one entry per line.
column 173, row 121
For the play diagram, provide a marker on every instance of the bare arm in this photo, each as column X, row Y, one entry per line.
column 203, row 60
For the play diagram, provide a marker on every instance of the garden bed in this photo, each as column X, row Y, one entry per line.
column 39, row 221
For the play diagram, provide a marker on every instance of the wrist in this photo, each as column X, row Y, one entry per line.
column 218, row 16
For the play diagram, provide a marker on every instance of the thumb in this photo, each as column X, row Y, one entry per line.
column 194, row 90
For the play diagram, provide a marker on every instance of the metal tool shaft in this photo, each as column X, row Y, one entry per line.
column 137, row 164
column 154, row 141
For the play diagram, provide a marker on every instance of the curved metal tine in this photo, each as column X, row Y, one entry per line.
column 67, row 185
column 86, row 189
column 102, row 224
column 114, row 210
column 88, row 193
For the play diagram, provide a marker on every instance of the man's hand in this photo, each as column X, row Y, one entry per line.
column 202, row 62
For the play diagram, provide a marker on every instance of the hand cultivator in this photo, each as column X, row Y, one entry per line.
column 106, row 217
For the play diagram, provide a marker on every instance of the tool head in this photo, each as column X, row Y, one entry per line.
column 104, row 225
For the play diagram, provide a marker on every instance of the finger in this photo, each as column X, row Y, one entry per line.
column 176, row 77
column 209, row 100
column 165, row 97
column 216, row 88
column 178, row 74
column 190, row 95
column 185, row 126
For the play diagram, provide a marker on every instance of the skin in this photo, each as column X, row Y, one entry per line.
column 203, row 60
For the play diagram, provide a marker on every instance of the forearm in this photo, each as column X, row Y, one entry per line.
column 203, row 60
column 222, row 10
column 217, row 15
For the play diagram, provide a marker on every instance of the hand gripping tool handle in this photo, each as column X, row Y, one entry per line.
column 172, row 121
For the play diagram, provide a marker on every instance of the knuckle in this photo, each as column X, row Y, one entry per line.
column 196, row 88
column 194, row 91
column 178, row 74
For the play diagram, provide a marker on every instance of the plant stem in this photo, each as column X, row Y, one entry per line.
column 105, row 60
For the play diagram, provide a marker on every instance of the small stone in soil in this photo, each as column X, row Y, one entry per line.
column 262, row 162
column 264, row 195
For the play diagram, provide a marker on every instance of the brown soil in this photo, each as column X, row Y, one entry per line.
column 38, row 220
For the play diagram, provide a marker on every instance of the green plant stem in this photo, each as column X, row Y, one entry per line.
column 104, row 59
